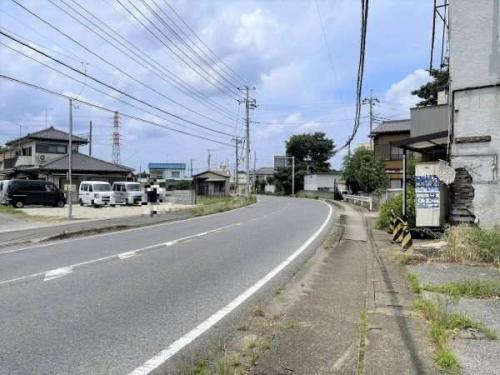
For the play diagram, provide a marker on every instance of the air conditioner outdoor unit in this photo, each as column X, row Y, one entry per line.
column 41, row 158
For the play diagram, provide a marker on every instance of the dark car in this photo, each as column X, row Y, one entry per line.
column 25, row 192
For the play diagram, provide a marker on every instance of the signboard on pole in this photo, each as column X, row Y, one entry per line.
column 280, row 161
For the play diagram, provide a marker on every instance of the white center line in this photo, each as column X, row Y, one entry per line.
column 57, row 273
column 63, row 271
column 192, row 335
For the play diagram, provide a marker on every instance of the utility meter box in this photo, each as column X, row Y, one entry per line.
column 431, row 196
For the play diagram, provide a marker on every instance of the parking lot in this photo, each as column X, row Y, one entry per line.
column 105, row 212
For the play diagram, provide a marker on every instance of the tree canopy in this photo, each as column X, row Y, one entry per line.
column 312, row 153
column 429, row 91
column 364, row 172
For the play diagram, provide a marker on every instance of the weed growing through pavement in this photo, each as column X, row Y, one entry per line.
column 467, row 288
column 443, row 325
column 363, row 328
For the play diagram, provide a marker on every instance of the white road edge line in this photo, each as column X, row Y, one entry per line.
column 57, row 272
column 160, row 358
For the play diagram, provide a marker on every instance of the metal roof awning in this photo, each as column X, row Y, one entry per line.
column 424, row 143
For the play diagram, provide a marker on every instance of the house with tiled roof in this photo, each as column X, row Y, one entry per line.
column 44, row 155
column 383, row 136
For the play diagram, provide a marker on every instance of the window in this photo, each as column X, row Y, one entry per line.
column 176, row 174
column 396, row 184
column 57, row 149
column 26, row 151
column 133, row 187
column 102, row 187
column 50, row 188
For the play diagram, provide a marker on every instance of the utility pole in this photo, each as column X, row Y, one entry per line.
column 191, row 167
column 254, row 170
column 90, row 138
column 237, row 141
column 70, row 160
column 249, row 104
column 209, row 159
column 371, row 102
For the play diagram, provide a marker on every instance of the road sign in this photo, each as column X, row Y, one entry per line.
column 280, row 162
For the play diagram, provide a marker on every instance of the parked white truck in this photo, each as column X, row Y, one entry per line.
column 95, row 193
column 126, row 192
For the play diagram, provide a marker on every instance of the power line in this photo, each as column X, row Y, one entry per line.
column 221, row 87
column 105, row 109
column 231, row 71
column 172, row 78
column 134, row 59
column 361, row 66
column 306, row 121
column 112, row 87
column 183, row 41
column 94, row 88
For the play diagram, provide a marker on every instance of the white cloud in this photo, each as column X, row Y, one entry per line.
column 399, row 94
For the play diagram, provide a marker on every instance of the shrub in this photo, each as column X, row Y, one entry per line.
column 396, row 204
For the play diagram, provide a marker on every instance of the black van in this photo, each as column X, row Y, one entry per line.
column 23, row 192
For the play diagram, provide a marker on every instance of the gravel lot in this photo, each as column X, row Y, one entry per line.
column 101, row 212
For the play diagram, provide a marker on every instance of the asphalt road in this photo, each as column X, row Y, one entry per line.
column 125, row 302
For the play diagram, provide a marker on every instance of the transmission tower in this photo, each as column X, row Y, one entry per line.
column 116, row 139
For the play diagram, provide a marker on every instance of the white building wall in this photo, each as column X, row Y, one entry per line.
column 314, row 182
column 474, row 62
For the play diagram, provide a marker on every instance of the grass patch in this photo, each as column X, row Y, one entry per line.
column 443, row 325
column 9, row 210
column 207, row 206
column 413, row 283
column 445, row 359
column 363, row 328
column 471, row 244
column 467, row 288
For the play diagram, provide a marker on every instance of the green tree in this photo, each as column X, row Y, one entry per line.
column 364, row 172
column 312, row 153
column 429, row 91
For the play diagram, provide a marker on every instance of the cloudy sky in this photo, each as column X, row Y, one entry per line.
column 304, row 75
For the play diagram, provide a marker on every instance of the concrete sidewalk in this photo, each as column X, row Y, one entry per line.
column 327, row 300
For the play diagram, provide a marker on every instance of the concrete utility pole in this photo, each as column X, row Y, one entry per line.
column 70, row 160
column 237, row 141
column 249, row 104
column 209, row 159
column 371, row 102
column 191, row 167
column 90, row 138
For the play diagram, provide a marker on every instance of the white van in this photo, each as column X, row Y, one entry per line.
column 3, row 190
column 94, row 193
column 126, row 192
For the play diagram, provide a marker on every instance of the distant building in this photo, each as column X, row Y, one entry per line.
column 44, row 155
column 325, row 181
column 383, row 137
column 264, row 180
column 167, row 171
column 211, row 183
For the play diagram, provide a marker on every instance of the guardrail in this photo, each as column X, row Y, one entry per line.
column 360, row 199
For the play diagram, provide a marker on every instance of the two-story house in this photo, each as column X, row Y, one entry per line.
column 383, row 137
column 167, row 171
column 44, row 155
